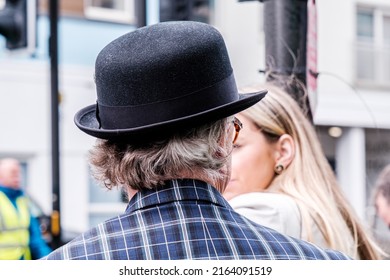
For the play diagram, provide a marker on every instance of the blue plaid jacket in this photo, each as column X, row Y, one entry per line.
column 185, row 219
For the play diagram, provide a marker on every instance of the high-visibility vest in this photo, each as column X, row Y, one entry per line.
column 14, row 225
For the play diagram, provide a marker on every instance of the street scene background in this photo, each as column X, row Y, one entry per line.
column 349, row 48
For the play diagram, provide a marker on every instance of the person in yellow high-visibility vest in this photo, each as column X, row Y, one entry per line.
column 20, row 236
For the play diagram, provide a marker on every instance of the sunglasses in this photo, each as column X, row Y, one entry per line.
column 237, row 126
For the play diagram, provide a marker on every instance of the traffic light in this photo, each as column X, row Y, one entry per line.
column 184, row 10
column 18, row 23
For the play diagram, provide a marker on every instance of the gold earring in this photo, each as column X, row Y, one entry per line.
column 279, row 169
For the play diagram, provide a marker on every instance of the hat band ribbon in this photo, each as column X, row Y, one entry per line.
column 122, row 117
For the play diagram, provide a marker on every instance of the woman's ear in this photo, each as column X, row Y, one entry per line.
column 285, row 150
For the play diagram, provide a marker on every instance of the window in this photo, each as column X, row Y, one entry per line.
column 24, row 174
column 386, row 30
column 122, row 11
column 372, row 46
column 104, row 203
column 365, row 25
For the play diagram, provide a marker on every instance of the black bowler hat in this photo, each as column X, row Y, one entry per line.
column 160, row 79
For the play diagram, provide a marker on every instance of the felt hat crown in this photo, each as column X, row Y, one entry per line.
column 162, row 78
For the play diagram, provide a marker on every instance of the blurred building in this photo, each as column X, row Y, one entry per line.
column 352, row 112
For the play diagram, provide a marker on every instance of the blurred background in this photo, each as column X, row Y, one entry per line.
column 340, row 49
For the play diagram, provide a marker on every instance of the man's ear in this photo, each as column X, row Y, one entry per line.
column 285, row 150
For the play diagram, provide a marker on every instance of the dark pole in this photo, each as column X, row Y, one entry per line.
column 140, row 7
column 285, row 27
column 55, row 168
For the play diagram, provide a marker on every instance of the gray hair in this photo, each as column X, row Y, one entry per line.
column 195, row 153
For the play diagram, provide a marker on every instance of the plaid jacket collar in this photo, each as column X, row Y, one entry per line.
column 176, row 190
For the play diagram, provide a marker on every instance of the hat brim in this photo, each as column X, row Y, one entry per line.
column 85, row 119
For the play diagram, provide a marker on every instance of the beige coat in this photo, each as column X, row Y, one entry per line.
column 276, row 211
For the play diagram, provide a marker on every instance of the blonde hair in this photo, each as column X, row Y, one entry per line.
column 382, row 184
column 196, row 153
column 309, row 179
